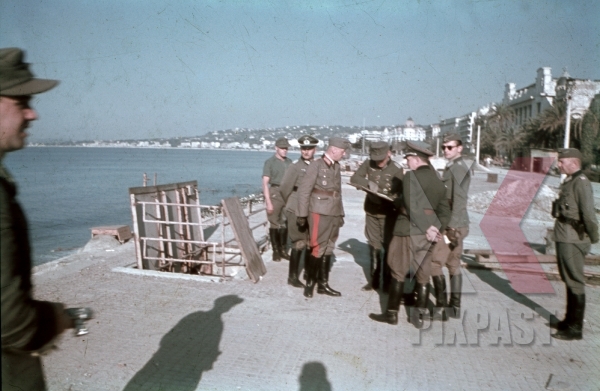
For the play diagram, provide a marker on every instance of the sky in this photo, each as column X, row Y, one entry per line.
column 133, row 69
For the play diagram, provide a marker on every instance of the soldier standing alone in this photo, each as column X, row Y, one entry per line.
column 320, row 206
column 457, row 179
column 379, row 174
column 288, row 188
column 575, row 228
column 273, row 172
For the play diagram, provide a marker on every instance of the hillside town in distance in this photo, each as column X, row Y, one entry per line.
column 530, row 117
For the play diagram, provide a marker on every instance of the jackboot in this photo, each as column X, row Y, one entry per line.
column 441, row 300
column 310, row 271
column 274, row 235
column 323, row 279
column 419, row 311
column 374, row 270
column 393, row 306
column 455, row 293
column 283, row 239
column 293, row 271
column 387, row 277
column 564, row 324
column 574, row 330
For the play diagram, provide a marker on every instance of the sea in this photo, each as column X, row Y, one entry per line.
column 65, row 191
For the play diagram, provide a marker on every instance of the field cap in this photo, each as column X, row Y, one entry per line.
column 307, row 141
column 417, row 148
column 569, row 152
column 282, row 142
column 452, row 137
column 379, row 150
column 15, row 77
column 339, row 142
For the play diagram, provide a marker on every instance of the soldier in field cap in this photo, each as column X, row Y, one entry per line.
column 457, row 179
column 29, row 326
column 320, row 206
column 575, row 228
column 273, row 172
column 289, row 186
column 382, row 175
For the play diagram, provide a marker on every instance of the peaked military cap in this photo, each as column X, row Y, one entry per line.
column 339, row 142
column 379, row 150
column 569, row 152
column 452, row 137
column 307, row 141
column 417, row 148
column 15, row 77
column 282, row 142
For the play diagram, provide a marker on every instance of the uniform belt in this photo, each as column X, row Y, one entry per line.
column 325, row 192
column 274, row 185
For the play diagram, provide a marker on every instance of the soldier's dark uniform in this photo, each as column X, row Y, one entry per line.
column 320, row 200
column 423, row 204
column 380, row 214
column 274, row 168
column 457, row 179
column 575, row 228
column 299, row 236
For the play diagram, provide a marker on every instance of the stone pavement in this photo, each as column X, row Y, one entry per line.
column 153, row 333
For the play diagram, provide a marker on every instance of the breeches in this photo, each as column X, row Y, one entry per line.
column 324, row 231
column 410, row 253
column 443, row 256
column 299, row 238
column 571, row 258
column 276, row 219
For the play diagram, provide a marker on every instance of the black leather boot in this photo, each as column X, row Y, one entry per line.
column 310, row 271
column 374, row 270
column 393, row 306
column 419, row 311
column 455, row 293
column 441, row 300
column 293, row 272
column 274, row 235
column 387, row 277
column 574, row 330
column 323, row 287
column 283, row 239
column 564, row 324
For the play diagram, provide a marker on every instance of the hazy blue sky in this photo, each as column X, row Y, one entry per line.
column 152, row 68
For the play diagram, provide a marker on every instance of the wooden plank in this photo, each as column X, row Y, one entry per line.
column 488, row 256
column 255, row 266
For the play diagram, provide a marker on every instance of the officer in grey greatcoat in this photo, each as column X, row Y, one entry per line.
column 29, row 326
column 575, row 228
column 288, row 189
column 424, row 215
column 273, row 171
column 320, row 206
column 380, row 174
column 457, row 178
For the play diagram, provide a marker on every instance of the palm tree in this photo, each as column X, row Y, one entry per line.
column 502, row 132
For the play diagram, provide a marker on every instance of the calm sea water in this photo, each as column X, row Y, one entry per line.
column 67, row 191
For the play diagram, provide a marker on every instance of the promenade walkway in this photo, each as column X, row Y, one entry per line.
column 153, row 333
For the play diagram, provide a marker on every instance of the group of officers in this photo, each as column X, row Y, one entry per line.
column 416, row 221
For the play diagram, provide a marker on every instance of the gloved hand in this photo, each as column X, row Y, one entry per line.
column 302, row 222
column 453, row 236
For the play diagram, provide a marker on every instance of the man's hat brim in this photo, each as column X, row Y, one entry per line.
column 30, row 87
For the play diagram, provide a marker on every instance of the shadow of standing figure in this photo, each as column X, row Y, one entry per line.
column 314, row 377
column 186, row 351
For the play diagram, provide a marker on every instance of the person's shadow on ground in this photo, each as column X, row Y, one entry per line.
column 314, row 377
column 186, row 351
column 503, row 286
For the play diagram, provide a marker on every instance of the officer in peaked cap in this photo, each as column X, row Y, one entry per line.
column 288, row 188
column 424, row 214
column 320, row 206
column 273, row 172
column 28, row 326
column 382, row 175
column 575, row 228
column 457, row 178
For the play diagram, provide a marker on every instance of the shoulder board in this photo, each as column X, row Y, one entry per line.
column 582, row 177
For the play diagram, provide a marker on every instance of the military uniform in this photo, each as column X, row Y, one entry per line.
column 423, row 204
column 299, row 236
column 274, row 168
column 380, row 213
column 457, row 179
column 320, row 200
column 575, row 228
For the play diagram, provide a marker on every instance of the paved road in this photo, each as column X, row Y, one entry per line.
column 155, row 333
